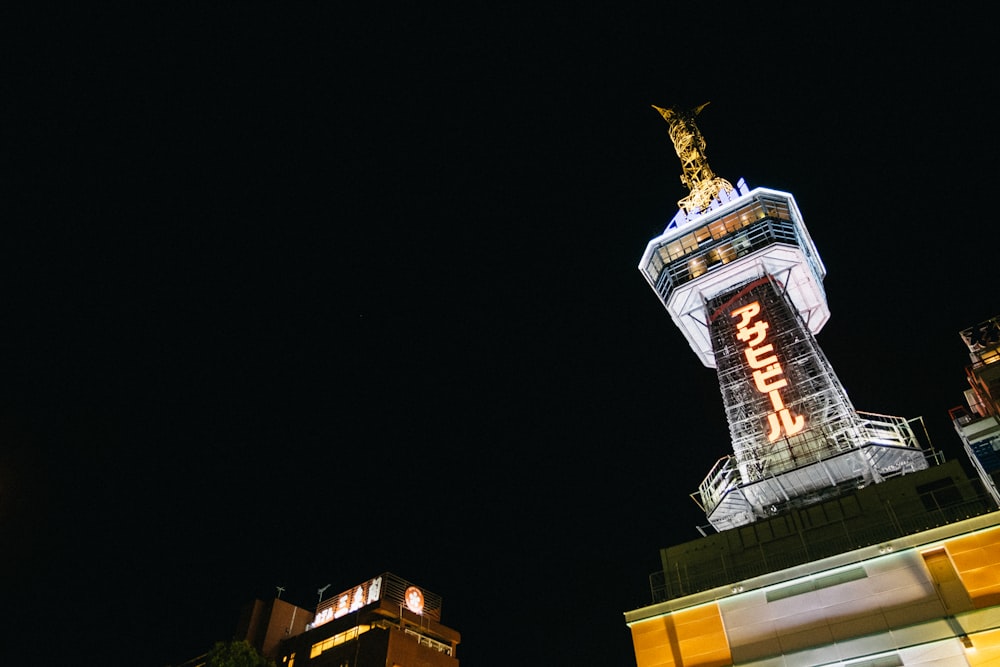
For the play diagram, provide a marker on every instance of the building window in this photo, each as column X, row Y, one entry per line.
column 338, row 639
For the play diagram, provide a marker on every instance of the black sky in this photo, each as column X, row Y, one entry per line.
column 297, row 295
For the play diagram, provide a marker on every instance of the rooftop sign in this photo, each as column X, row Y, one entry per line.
column 386, row 586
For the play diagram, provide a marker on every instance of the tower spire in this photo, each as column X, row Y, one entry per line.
column 699, row 178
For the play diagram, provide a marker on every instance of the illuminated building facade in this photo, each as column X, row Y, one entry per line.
column 383, row 622
column 836, row 542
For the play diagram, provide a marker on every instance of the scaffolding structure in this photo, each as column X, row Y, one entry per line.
column 810, row 388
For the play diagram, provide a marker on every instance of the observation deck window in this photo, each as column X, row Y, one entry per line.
column 705, row 239
column 776, row 208
column 692, row 264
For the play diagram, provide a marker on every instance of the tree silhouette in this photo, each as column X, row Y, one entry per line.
column 236, row 654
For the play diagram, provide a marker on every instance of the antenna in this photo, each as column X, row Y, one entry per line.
column 281, row 589
column 320, row 591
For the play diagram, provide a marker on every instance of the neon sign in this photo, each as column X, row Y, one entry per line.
column 348, row 601
column 322, row 617
column 768, row 375
column 414, row 600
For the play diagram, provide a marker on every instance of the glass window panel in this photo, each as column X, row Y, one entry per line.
column 688, row 243
column 718, row 229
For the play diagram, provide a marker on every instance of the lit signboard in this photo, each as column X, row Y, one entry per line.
column 414, row 600
column 386, row 586
column 768, row 375
column 348, row 601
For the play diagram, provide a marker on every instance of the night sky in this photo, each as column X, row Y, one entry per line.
column 296, row 295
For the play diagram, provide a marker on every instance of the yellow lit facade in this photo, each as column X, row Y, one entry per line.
column 693, row 636
column 932, row 598
column 976, row 559
column 338, row 639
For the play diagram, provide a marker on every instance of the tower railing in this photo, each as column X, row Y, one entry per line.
column 889, row 430
column 715, row 485
column 881, row 438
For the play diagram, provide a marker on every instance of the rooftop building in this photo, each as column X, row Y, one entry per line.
column 385, row 621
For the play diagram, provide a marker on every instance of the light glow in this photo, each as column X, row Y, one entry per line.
column 348, row 601
column 414, row 600
column 768, row 373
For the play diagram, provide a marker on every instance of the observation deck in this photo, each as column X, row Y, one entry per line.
column 746, row 234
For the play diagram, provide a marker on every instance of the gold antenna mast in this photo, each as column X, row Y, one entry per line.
column 690, row 146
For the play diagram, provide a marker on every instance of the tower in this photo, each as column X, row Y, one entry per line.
column 741, row 278
column 836, row 542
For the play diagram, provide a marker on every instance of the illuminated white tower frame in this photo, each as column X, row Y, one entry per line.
column 742, row 281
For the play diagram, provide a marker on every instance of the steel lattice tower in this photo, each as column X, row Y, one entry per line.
column 740, row 276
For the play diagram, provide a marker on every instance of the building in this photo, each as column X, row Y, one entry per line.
column 383, row 622
column 978, row 422
column 840, row 538
column 266, row 624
